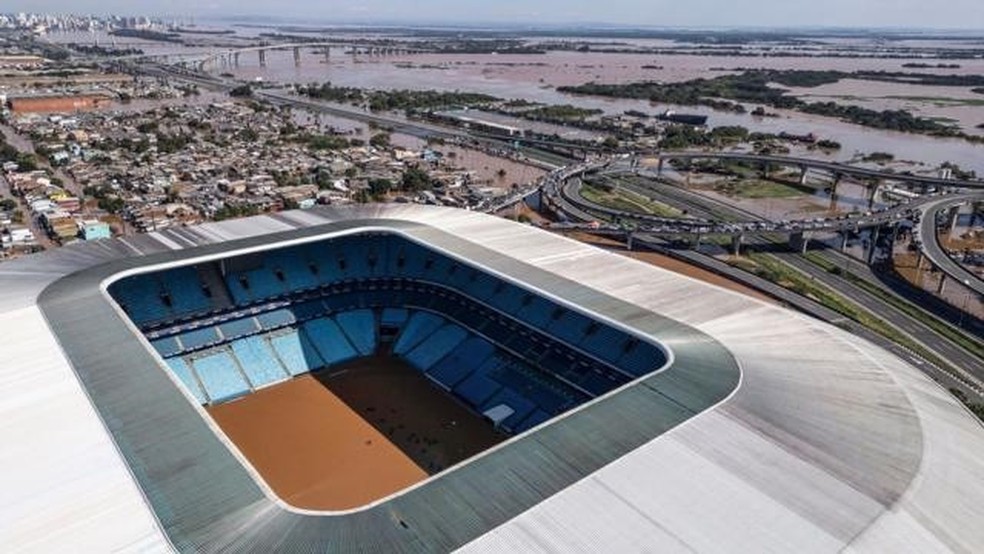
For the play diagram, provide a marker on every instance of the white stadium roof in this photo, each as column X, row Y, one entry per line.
column 827, row 444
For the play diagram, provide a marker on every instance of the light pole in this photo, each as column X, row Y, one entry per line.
column 963, row 311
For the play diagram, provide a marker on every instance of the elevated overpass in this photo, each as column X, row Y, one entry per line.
column 806, row 164
column 931, row 248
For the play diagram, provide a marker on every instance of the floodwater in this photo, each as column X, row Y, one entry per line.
column 535, row 78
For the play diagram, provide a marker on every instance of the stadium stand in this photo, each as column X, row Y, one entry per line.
column 183, row 372
column 436, row 346
column 296, row 353
column 329, row 340
column 360, row 327
column 258, row 362
column 220, row 376
column 294, row 310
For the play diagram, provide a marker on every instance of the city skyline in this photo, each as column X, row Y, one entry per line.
column 699, row 13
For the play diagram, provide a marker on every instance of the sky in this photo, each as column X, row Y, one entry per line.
column 943, row 14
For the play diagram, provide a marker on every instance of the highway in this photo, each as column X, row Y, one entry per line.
column 949, row 379
column 964, row 368
column 930, row 244
column 970, row 367
column 833, row 168
column 570, row 193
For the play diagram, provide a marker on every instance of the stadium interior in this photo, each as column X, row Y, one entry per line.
column 513, row 357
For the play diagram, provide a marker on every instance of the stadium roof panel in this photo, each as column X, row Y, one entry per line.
column 826, row 443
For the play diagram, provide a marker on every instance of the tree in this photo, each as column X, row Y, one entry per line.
column 379, row 187
column 381, row 140
column 415, row 180
column 242, row 91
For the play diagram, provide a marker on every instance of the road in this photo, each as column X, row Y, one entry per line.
column 810, row 307
column 969, row 366
column 570, row 190
column 830, row 167
column 930, row 244
column 965, row 369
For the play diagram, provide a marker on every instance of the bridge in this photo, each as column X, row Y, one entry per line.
column 562, row 192
column 931, row 248
column 231, row 57
column 870, row 178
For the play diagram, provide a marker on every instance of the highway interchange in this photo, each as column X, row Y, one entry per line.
column 963, row 369
column 957, row 366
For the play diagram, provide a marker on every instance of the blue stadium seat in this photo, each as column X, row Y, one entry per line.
column 307, row 310
column 597, row 384
column 476, row 389
column 140, row 295
column 220, row 376
column 166, row 347
column 238, row 328
column 552, row 398
column 534, row 419
column 394, row 317
column 264, row 284
column 360, row 327
column 258, row 361
column 436, row 346
column 537, row 311
column 605, row 343
column 241, row 295
column 275, row 319
column 570, row 328
column 419, row 327
column 329, row 340
column 466, row 358
column 296, row 353
column 185, row 289
column 183, row 372
column 450, row 371
column 509, row 299
column 644, row 358
column 521, row 406
column 482, row 288
column 294, row 265
column 199, row 338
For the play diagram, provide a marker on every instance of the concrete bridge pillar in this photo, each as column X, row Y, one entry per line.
column 262, row 55
column 873, row 246
column 843, row 244
column 297, row 56
column 235, row 59
column 659, row 166
column 327, row 55
column 833, row 187
column 954, row 216
column 872, row 191
column 942, row 286
column 736, row 242
column 803, row 172
column 629, row 239
column 697, row 240
column 800, row 241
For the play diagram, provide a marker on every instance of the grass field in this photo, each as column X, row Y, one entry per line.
column 621, row 199
column 757, row 188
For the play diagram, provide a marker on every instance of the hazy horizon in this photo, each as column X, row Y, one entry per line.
column 842, row 14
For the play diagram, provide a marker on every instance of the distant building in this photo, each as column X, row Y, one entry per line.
column 54, row 104
column 94, row 230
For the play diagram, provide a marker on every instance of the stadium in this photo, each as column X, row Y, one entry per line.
column 416, row 379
